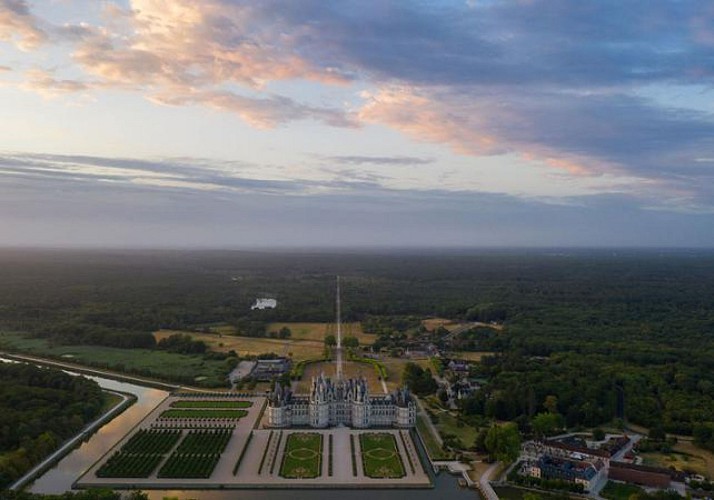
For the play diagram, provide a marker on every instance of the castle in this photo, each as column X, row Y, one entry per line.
column 345, row 402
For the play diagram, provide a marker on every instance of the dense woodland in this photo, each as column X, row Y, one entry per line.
column 39, row 409
column 610, row 334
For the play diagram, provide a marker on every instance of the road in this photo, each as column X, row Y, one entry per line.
column 484, row 483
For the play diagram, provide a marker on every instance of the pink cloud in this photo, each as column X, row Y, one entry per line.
column 19, row 26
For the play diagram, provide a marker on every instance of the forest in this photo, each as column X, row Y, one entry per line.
column 39, row 409
column 612, row 334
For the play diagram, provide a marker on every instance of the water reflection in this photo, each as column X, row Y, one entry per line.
column 60, row 478
column 445, row 488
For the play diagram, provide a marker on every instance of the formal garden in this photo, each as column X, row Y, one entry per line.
column 196, row 414
column 140, row 456
column 302, row 458
column 226, row 405
column 189, row 466
column 380, row 456
column 197, row 455
column 130, row 465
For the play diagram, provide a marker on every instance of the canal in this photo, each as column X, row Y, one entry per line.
column 60, row 478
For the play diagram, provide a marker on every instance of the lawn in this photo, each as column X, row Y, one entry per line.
column 351, row 369
column 380, row 456
column 436, row 452
column 395, row 368
column 302, row 458
column 198, row 413
column 143, row 362
column 211, row 404
column 465, row 433
column 685, row 457
column 318, row 331
column 472, row 355
column 619, row 491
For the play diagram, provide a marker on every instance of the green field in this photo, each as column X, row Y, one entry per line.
column 302, row 458
column 211, row 404
column 380, row 456
column 619, row 491
column 182, row 368
column 197, row 413
column 448, row 424
column 435, row 451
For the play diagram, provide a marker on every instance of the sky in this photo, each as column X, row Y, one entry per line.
column 369, row 123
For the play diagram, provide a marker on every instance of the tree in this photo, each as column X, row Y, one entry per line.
column 551, row 404
column 284, row 333
column 598, row 434
column 503, row 442
column 330, row 341
column 350, row 341
column 418, row 380
column 657, row 434
column 545, row 424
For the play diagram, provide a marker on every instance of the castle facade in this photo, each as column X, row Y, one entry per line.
column 345, row 402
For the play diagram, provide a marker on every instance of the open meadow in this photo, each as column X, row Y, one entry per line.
column 297, row 349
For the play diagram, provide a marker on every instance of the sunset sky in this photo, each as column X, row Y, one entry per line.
column 226, row 123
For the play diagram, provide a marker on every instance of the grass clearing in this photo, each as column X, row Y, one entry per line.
column 380, row 456
column 211, row 404
column 318, row 331
column 619, row 491
column 431, row 324
column 350, row 369
column 143, row 362
column 297, row 349
column 472, row 355
column 302, row 458
column 449, row 424
column 684, row 457
column 435, row 451
column 201, row 414
column 395, row 368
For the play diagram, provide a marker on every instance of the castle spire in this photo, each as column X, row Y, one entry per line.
column 338, row 351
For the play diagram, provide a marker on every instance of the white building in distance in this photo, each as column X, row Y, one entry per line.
column 264, row 304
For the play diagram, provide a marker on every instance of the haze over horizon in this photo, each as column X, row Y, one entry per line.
column 228, row 123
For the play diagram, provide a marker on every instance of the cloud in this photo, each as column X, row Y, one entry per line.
column 556, row 82
column 80, row 201
column 264, row 112
column 19, row 26
column 380, row 160
column 44, row 82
